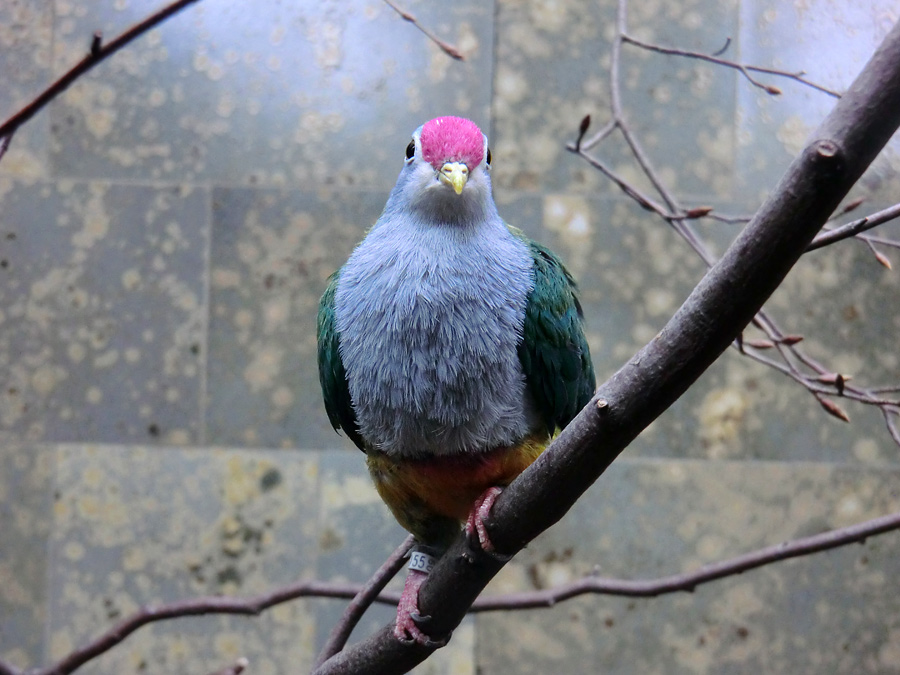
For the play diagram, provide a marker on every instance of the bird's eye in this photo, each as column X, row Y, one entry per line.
column 489, row 157
column 410, row 150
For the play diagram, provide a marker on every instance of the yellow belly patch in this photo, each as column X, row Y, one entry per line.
column 446, row 487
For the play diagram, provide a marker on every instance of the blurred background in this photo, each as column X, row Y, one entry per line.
column 166, row 230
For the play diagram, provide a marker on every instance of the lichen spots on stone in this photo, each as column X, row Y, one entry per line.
column 721, row 416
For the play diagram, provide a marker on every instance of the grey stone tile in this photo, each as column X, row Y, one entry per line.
column 772, row 130
column 26, row 38
column 553, row 68
column 288, row 94
column 272, row 253
column 26, row 516
column 835, row 611
column 101, row 307
column 148, row 525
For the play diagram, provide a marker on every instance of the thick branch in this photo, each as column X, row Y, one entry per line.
column 722, row 304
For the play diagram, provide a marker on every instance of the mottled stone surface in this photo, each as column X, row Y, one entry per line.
column 140, row 526
column 168, row 225
column 272, row 253
column 102, row 311
column 286, row 94
column 553, row 68
column 26, row 521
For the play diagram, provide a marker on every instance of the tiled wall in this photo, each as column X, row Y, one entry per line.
column 166, row 229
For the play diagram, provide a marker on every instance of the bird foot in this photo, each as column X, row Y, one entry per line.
column 407, row 628
column 475, row 523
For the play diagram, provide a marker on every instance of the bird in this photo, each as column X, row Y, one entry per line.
column 451, row 348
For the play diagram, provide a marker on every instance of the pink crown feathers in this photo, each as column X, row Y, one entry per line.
column 452, row 139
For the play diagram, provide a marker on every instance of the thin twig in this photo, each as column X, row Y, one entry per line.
column 605, row 131
column 853, row 228
column 447, row 48
column 690, row 580
column 893, row 243
column 742, row 68
column 96, row 54
column 4, row 143
column 363, row 600
column 195, row 607
column 527, row 599
column 796, row 363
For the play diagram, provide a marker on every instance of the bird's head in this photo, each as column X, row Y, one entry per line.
column 446, row 176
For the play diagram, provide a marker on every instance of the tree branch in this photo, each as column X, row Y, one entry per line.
column 97, row 53
column 371, row 592
column 445, row 47
column 796, row 363
column 744, row 69
column 718, row 309
column 194, row 607
column 690, row 580
column 854, row 228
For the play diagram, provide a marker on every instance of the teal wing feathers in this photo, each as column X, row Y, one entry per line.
column 554, row 353
column 335, row 389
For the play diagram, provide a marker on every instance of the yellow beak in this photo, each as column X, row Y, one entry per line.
column 455, row 174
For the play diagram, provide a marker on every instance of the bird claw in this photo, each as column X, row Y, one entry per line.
column 409, row 633
column 408, row 627
column 475, row 527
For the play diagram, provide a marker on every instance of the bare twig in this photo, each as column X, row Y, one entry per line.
column 363, row 600
column 447, row 48
column 742, row 68
column 195, row 607
column 690, row 580
column 96, row 54
column 854, row 228
column 796, row 363
column 4, row 143
column 605, row 131
column 371, row 591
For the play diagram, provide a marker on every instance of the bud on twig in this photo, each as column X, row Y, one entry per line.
column 833, row 409
column 582, row 130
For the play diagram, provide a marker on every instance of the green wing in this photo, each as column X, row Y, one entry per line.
column 335, row 389
column 554, row 352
